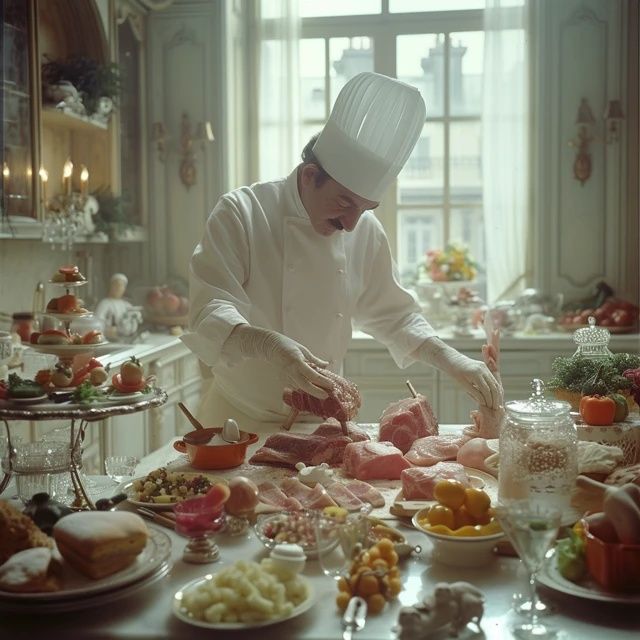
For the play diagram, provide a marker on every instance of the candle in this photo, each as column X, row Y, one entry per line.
column 84, row 181
column 67, row 172
column 44, row 178
column 6, row 174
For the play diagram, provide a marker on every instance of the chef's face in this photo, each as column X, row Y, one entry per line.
column 331, row 207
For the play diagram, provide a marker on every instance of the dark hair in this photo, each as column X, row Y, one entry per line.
column 309, row 157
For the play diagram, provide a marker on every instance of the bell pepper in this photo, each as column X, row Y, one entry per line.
column 622, row 408
column 597, row 410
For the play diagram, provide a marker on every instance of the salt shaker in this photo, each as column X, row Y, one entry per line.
column 538, row 451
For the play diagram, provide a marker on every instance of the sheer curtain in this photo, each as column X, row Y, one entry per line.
column 505, row 147
column 279, row 92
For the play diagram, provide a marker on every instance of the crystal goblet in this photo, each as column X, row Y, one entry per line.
column 532, row 529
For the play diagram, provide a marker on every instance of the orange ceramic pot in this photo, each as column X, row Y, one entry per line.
column 614, row 566
column 205, row 456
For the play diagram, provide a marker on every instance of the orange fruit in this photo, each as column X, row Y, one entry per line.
column 450, row 493
column 368, row 585
column 476, row 501
column 375, row 603
column 439, row 514
column 462, row 517
column 342, row 600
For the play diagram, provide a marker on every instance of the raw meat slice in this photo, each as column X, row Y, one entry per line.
column 345, row 498
column 373, row 460
column 365, row 492
column 342, row 404
column 418, row 482
column 270, row 493
column 407, row 420
column 427, row 451
column 325, row 444
column 315, row 498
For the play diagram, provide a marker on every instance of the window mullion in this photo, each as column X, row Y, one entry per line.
column 446, row 208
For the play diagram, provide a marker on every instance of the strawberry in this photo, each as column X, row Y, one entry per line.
column 131, row 372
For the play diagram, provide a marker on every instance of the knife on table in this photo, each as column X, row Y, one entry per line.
column 354, row 617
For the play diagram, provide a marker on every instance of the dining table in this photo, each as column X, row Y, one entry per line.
column 147, row 611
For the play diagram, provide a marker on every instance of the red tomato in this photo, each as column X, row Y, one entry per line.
column 584, row 316
column 622, row 318
column 119, row 385
column 606, row 322
column 33, row 338
column 131, row 372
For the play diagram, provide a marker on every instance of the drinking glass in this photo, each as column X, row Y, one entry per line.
column 338, row 542
column 120, row 468
column 198, row 518
column 532, row 529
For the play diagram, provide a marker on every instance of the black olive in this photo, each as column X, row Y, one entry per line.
column 119, row 497
column 104, row 504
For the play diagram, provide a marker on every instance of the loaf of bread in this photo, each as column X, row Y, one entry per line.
column 18, row 532
column 99, row 543
column 30, row 571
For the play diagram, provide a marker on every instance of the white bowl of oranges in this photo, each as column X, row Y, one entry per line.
column 461, row 526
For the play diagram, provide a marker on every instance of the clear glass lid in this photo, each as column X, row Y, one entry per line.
column 537, row 407
column 592, row 341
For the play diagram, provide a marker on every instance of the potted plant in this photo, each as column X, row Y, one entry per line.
column 112, row 217
column 571, row 374
column 93, row 81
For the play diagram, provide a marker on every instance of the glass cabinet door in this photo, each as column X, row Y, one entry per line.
column 19, row 172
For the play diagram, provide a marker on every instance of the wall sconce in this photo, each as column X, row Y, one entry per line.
column 613, row 116
column 203, row 134
column 586, row 124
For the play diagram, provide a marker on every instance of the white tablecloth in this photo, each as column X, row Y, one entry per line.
column 147, row 612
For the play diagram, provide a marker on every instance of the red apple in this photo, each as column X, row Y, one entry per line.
column 184, row 306
column 155, row 300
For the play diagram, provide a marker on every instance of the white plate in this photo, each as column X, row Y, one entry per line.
column 588, row 589
column 124, row 398
column 76, row 585
column 75, row 349
column 67, row 316
column 69, row 285
column 479, row 480
column 127, row 489
column 22, row 402
column 228, row 626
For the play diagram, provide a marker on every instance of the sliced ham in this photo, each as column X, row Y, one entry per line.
column 373, row 460
column 428, row 451
column 418, row 482
column 325, row 444
column 407, row 420
column 345, row 498
column 315, row 498
column 365, row 492
column 270, row 493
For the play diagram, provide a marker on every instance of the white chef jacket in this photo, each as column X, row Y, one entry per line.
column 261, row 262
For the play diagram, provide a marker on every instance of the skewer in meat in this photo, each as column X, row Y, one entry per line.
column 342, row 402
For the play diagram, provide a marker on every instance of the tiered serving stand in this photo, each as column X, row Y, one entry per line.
column 80, row 415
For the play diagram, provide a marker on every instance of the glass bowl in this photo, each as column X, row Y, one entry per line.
column 294, row 527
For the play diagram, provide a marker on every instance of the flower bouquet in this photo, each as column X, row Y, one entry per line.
column 453, row 264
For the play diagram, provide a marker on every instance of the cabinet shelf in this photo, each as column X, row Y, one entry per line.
column 57, row 118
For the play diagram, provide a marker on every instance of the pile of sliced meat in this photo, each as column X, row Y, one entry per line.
column 343, row 402
column 326, row 444
column 292, row 495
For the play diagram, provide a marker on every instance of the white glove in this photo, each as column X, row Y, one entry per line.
column 472, row 375
column 280, row 351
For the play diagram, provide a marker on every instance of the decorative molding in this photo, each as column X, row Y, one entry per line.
column 184, row 35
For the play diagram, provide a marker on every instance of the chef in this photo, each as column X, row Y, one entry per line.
column 285, row 268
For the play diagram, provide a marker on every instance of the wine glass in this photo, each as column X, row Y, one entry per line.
column 338, row 541
column 197, row 519
column 120, row 468
column 532, row 529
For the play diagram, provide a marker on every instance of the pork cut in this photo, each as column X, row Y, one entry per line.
column 325, row 444
column 418, row 482
column 373, row 461
column 407, row 420
column 342, row 404
column 475, row 451
column 344, row 497
column 428, row 451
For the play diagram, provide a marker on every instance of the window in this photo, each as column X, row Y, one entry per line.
column 438, row 197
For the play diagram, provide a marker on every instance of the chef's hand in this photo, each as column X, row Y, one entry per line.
column 472, row 375
column 291, row 357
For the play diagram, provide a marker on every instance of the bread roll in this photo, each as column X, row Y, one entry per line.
column 30, row 571
column 99, row 543
column 18, row 532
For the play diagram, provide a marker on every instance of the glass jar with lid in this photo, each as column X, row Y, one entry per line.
column 538, row 451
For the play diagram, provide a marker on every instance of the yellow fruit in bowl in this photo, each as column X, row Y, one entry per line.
column 477, row 502
column 462, row 517
column 439, row 514
column 450, row 493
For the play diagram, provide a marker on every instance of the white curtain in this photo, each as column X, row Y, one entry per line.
column 505, row 147
column 279, row 93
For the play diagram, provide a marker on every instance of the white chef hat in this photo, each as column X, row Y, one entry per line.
column 372, row 129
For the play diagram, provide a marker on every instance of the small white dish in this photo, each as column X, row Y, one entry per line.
column 459, row 551
column 288, row 557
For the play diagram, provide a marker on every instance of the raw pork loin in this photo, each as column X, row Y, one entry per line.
column 428, row 451
column 342, row 404
column 326, row 444
column 418, row 482
column 407, row 420
column 373, row 461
